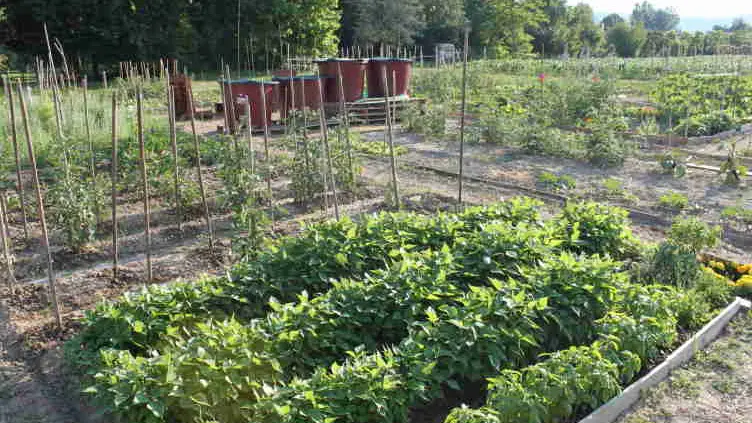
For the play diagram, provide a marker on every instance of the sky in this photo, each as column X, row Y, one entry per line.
column 697, row 14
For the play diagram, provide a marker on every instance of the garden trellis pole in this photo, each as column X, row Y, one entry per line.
column 145, row 182
column 267, row 159
column 249, row 134
column 92, row 158
column 114, row 189
column 197, row 151
column 17, row 153
column 175, row 158
column 5, row 239
column 390, row 137
column 325, row 140
column 40, row 209
column 346, row 122
column 462, row 119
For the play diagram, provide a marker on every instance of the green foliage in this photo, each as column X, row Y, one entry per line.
column 626, row 40
column 427, row 120
column 671, row 264
column 556, row 183
column 72, row 203
column 693, row 234
column 675, row 201
column 737, row 213
column 593, row 228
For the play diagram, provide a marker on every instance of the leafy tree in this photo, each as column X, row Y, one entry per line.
column 739, row 24
column 654, row 19
column 504, row 24
column 444, row 21
column 386, row 22
column 610, row 20
column 627, row 40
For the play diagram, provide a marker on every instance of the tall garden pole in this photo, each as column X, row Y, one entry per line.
column 17, row 153
column 114, row 189
column 390, row 138
column 5, row 239
column 462, row 118
column 175, row 158
column 40, row 209
column 197, row 149
column 346, row 122
column 325, row 140
column 249, row 134
column 92, row 158
column 145, row 182
column 267, row 159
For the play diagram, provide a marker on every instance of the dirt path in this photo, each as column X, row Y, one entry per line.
column 715, row 387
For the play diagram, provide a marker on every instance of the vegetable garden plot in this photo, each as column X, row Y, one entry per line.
column 368, row 320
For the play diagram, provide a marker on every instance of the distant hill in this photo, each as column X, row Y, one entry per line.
column 689, row 23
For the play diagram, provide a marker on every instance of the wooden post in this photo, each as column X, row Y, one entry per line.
column 17, row 153
column 145, row 182
column 249, row 134
column 197, row 149
column 231, row 118
column 346, row 122
column 40, row 209
column 114, row 189
column 224, row 105
column 92, row 159
column 5, row 239
column 462, row 119
column 104, row 79
column 390, row 137
column 175, row 158
column 267, row 159
column 325, row 139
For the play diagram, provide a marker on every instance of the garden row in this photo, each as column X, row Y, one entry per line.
column 368, row 320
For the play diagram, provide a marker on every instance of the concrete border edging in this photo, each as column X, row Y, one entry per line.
column 613, row 409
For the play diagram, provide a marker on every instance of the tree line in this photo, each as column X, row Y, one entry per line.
column 257, row 33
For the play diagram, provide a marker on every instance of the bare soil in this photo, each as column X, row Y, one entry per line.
column 715, row 387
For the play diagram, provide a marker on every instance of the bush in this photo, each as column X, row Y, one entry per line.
column 694, row 235
column 592, row 228
column 674, row 200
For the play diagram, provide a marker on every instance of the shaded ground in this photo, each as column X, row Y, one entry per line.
column 715, row 387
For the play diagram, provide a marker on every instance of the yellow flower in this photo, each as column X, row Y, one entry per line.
column 743, row 269
column 744, row 285
column 717, row 265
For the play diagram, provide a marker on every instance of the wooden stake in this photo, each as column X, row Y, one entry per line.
column 346, row 122
column 325, row 139
column 145, row 182
column 5, row 239
column 104, row 79
column 390, row 138
column 267, row 159
column 14, row 138
column 175, row 158
column 249, row 134
column 114, row 189
column 197, row 149
column 40, row 209
column 92, row 159
column 462, row 120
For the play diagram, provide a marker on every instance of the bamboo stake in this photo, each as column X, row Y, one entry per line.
column 14, row 138
column 346, row 121
column 249, row 134
column 197, row 149
column 325, row 139
column 231, row 116
column 390, row 138
column 267, row 159
column 104, row 79
column 175, row 159
column 5, row 239
column 224, row 106
column 145, row 182
column 114, row 189
column 92, row 159
column 462, row 120
column 40, row 209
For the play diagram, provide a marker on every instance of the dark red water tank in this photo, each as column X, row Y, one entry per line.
column 302, row 90
column 353, row 73
column 251, row 90
column 399, row 73
column 181, row 84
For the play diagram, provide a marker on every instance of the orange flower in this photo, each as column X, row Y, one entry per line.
column 743, row 269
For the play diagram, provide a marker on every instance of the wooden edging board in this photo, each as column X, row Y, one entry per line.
column 613, row 409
